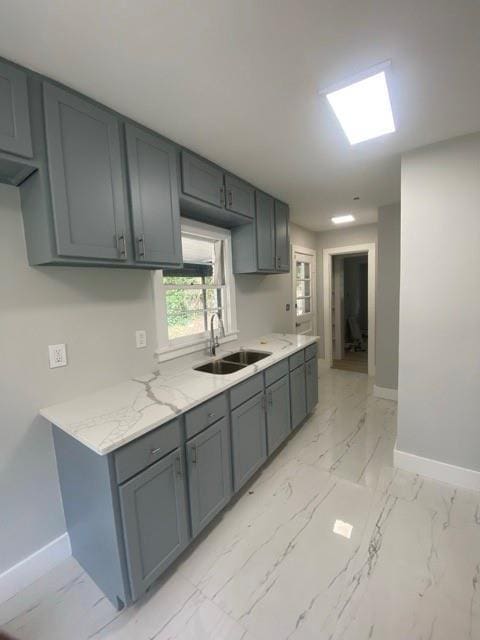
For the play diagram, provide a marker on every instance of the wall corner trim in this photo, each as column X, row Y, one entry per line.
column 385, row 392
column 29, row 569
column 437, row 470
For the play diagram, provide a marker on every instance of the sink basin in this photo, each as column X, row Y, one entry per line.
column 220, row 367
column 246, row 357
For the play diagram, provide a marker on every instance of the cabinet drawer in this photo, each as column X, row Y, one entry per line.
column 272, row 374
column 206, row 414
column 311, row 351
column 246, row 390
column 141, row 453
column 296, row 360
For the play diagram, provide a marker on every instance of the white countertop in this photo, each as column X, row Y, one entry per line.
column 110, row 418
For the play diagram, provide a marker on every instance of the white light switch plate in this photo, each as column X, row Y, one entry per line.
column 57, row 355
column 141, row 338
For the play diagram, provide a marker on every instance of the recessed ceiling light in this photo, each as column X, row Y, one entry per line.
column 363, row 107
column 343, row 219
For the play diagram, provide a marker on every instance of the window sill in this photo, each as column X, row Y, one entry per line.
column 169, row 353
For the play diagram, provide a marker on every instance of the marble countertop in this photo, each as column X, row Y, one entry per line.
column 112, row 417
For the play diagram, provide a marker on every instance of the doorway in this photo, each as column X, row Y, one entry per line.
column 350, row 312
column 304, row 284
column 349, row 307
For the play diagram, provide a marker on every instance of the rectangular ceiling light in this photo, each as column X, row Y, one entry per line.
column 343, row 219
column 363, row 108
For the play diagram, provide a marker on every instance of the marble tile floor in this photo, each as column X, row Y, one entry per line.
column 403, row 565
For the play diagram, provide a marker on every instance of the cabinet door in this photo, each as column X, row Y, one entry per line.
column 248, row 439
column 311, row 375
column 86, row 177
column 15, row 136
column 152, row 168
column 282, row 240
column 209, row 473
column 298, row 398
column 278, row 413
column 154, row 519
column 202, row 180
column 265, row 227
column 240, row 196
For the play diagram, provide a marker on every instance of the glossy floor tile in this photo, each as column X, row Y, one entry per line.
column 328, row 543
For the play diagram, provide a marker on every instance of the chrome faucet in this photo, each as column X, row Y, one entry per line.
column 213, row 342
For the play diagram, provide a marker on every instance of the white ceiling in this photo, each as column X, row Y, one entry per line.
column 237, row 81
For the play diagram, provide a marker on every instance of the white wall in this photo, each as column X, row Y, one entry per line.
column 96, row 312
column 361, row 234
column 439, row 355
column 388, row 294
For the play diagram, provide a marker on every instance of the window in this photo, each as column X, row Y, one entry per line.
column 186, row 298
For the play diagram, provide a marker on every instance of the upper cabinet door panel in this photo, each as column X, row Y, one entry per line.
column 240, row 196
column 152, row 166
column 86, row 177
column 282, row 240
column 15, row 136
column 265, row 227
column 202, row 180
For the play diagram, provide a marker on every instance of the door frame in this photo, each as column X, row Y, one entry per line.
column 313, row 253
column 328, row 254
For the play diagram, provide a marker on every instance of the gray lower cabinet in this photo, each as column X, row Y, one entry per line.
column 239, row 196
column 249, row 443
column 152, row 177
column 311, row 383
column 15, row 135
column 154, row 516
column 298, row 398
column 209, row 473
column 86, row 177
column 278, row 413
column 282, row 238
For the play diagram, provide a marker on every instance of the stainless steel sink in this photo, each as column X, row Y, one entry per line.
column 246, row 357
column 220, row 367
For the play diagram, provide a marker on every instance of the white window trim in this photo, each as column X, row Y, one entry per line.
column 169, row 349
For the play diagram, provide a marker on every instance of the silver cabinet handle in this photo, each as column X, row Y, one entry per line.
column 122, row 245
column 194, row 454
column 270, row 399
column 230, row 198
column 141, row 245
column 210, row 415
column 222, row 196
column 155, row 452
column 178, row 466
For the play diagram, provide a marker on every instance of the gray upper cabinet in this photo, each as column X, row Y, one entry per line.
column 153, row 508
column 298, row 399
column 248, row 439
column 202, row 180
column 153, row 180
column 263, row 247
column 282, row 239
column 240, row 196
column 265, row 231
column 311, row 383
column 86, row 177
column 278, row 413
column 15, row 136
column 209, row 473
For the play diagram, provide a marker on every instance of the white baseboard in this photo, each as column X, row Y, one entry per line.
column 385, row 392
column 441, row 471
column 30, row 569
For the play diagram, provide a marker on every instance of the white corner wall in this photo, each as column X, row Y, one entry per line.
column 439, row 353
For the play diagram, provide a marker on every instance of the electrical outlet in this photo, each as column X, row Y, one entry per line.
column 141, row 338
column 57, row 355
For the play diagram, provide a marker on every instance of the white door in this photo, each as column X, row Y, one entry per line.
column 304, row 291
